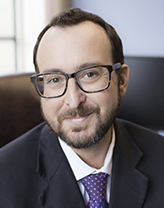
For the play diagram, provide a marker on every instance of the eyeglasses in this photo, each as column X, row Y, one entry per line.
column 89, row 79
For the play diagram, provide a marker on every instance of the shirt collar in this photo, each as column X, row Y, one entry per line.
column 80, row 168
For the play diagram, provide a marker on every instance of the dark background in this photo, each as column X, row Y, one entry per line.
column 144, row 100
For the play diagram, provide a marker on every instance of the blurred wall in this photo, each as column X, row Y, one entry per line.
column 139, row 23
column 55, row 6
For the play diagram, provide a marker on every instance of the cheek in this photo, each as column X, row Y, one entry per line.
column 108, row 99
column 50, row 107
column 102, row 100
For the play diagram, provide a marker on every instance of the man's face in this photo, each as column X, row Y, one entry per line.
column 81, row 119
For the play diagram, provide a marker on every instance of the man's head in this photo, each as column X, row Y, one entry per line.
column 76, row 16
column 79, row 118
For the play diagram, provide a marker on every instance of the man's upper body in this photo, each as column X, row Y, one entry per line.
column 81, row 92
column 81, row 80
column 36, row 173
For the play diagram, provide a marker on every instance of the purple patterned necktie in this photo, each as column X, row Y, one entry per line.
column 95, row 185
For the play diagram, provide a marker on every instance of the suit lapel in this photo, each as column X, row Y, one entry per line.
column 128, row 185
column 62, row 189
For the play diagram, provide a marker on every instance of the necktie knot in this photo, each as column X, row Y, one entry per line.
column 95, row 185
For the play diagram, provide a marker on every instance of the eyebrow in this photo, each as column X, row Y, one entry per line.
column 89, row 64
column 79, row 67
column 52, row 70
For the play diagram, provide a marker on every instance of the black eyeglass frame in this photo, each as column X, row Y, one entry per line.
column 73, row 75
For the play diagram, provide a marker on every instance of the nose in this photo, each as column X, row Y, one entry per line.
column 74, row 96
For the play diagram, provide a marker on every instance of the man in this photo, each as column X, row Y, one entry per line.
column 81, row 77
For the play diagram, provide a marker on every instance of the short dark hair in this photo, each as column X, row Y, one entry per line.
column 76, row 16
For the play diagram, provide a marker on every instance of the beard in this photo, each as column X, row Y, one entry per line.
column 77, row 139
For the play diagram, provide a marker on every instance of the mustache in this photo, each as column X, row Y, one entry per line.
column 80, row 111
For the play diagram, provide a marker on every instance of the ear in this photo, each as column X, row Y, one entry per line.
column 124, row 79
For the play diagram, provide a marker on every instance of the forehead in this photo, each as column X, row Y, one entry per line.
column 73, row 45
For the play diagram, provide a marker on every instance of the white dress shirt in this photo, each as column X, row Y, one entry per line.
column 81, row 169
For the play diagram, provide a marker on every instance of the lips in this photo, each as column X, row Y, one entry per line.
column 78, row 119
column 78, row 115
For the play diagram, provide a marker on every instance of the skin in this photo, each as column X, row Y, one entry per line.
column 69, row 49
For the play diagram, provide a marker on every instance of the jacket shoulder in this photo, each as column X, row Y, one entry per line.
column 21, row 145
column 147, row 140
column 18, row 176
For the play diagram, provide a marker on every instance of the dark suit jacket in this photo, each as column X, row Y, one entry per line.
column 35, row 173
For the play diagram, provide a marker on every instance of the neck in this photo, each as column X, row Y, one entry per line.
column 95, row 155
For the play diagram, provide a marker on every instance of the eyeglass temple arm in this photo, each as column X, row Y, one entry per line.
column 116, row 66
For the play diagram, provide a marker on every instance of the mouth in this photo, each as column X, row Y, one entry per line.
column 78, row 116
column 78, row 120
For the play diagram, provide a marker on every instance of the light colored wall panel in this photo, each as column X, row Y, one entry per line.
column 53, row 7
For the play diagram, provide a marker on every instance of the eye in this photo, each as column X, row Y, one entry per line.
column 91, row 74
column 54, row 80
